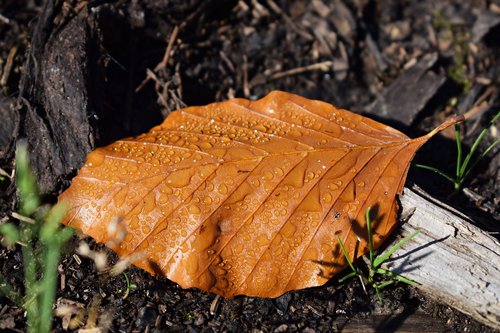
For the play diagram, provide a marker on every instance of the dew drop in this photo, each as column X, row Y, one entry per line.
column 222, row 189
column 205, row 145
column 327, row 197
column 194, row 209
column 333, row 186
column 278, row 172
column 296, row 177
column 268, row 175
column 238, row 248
column 146, row 229
column 262, row 240
column 288, row 230
column 180, row 178
column 95, row 159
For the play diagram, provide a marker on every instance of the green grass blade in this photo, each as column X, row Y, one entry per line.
column 10, row 233
column 49, row 285
column 490, row 147
column 394, row 276
column 379, row 295
column 26, row 183
column 31, row 288
column 370, row 235
column 52, row 237
column 42, row 242
column 50, row 228
column 384, row 284
column 406, row 280
column 347, row 277
column 384, row 256
column 459, row 151
column 346, row 255
column 475, row 146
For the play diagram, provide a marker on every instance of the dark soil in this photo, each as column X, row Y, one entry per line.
column 73, row 77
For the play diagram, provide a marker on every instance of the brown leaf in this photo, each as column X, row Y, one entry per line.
column 243, row 197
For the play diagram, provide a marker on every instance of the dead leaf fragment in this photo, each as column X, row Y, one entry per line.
column 243, row 197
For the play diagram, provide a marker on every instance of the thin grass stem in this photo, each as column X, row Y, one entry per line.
column 439, row 172
column 476, row 144
column 384, row 256
column 370, row 236
column 459, row 151
column 487, row 150
column 342, row 247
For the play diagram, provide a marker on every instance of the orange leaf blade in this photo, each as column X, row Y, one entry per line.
column 243, row 197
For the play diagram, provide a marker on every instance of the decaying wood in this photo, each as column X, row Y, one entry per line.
column 410, row 92
column 452, row 260
column 10, row 125
column 57, row 112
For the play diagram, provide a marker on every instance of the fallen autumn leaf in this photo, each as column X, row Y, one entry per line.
column 246, row 197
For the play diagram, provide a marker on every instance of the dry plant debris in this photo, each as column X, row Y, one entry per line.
column 246, row 197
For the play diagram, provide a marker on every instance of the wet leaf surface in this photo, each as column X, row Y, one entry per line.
column 243, row 197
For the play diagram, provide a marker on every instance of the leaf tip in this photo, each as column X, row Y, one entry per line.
column 447, row 123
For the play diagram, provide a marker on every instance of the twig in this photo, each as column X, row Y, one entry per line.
column 166, row 56
column 288, row 20
column 215, row 305
column 4, row 19
column 5, row 174
column 321, row 66
column 162, row 64
column 227, row 61
column 258, row 10
column 8, row 66
column 481, row 105
column 194, row 14
column 23, row 218
column 246, row 89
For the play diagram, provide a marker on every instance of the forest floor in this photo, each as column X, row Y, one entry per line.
column 407, row 64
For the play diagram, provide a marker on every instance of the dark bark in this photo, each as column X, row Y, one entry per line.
column 54, row 91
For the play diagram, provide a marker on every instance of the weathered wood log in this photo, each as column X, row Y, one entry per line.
column 453, row 261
